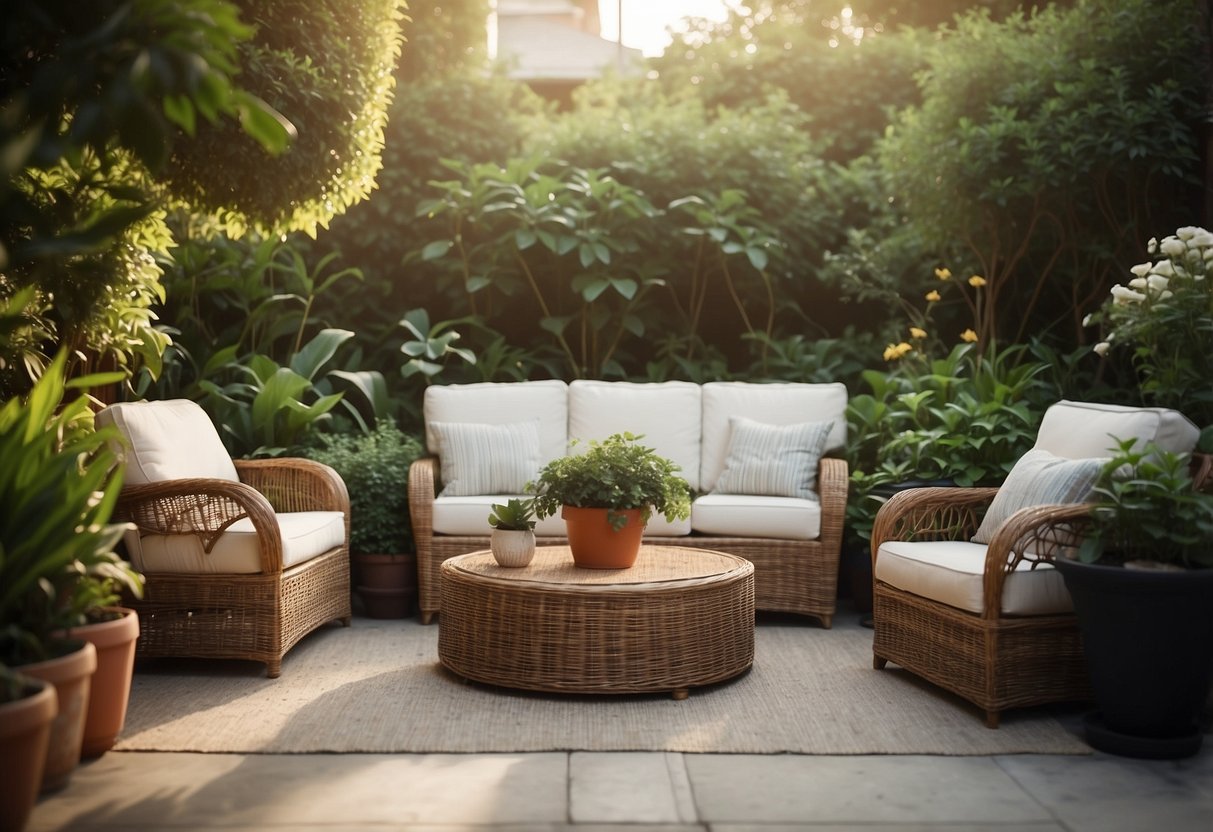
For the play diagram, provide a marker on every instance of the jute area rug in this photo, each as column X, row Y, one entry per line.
column 377, row 687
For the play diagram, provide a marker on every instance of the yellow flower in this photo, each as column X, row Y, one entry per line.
column 968, row 335
column 895, row 351
column 943, row 274
column 933, row 296
column 918, row 332
column 977, row 281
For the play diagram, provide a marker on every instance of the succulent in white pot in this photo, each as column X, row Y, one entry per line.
column 513, row 537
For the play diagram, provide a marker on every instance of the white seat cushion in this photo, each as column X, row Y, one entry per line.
column 668, row 415
column 743, row 515
column 771, row 404
column 168, row 440
column 470, row 516
column 305, row 534
column 952, row 572
column 501, row 403
column 1078, row 430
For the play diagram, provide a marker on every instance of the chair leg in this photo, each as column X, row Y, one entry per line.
column 346, row 620
column 273, row 668
column 826, row 621
column 878, row 662
column 426, row 616
column 992, row 718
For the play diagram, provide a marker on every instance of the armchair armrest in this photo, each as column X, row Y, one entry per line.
column 205, row 508
column 1037, row 534
column 294, row 484
column 931, row 513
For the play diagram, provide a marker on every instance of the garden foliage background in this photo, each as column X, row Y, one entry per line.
column 325, row 220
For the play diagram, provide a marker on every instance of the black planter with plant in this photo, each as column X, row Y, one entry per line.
column 1142, row 586
column 375, row 468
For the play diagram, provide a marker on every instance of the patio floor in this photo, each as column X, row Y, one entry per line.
column 633, row 791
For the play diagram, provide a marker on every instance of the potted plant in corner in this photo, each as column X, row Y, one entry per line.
column 27, row 709
column 513, row 539
column 58, row 486
column 607, row 495
column 1142, row 585
column 375, row 468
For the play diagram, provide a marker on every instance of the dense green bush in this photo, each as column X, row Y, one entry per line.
column 375, row 468
column 328, row 67
column 1046, row 146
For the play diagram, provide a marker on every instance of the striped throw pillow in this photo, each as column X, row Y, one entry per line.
column 1039, row 479
column 773, row 460
column 481, row 459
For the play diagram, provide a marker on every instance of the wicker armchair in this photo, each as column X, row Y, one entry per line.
column 242, row 559
column 992, row 623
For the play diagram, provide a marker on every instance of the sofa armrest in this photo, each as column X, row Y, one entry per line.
column 205, row 508
column 833, row 484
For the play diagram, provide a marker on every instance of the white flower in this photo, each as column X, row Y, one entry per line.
column 1086, row 319
column 1157, row 282
column 1201, row 239
column 1164, row 295
column 1101, row 348
column 1188, row 232
column 1121, row 295
column 1173, row 247
column 1152, row 246
column 1142, row 269
column 1164, row 268
column 1138, row 283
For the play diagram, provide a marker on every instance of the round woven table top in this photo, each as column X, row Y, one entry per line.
column 675, row 567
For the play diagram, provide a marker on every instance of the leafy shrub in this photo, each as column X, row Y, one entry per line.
column 1045, row 144
column 375, row 467
column 327, row 67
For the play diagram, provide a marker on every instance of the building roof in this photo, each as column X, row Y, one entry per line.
column 538, row 49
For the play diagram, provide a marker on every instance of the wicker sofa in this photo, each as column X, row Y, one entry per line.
column 486, row 440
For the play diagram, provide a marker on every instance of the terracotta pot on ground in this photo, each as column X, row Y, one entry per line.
column 387, row 584
column 111, row 687
column 25, row 729
column 596, row 544
column 72, row 676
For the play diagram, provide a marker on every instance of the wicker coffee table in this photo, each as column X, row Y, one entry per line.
column 678, row 619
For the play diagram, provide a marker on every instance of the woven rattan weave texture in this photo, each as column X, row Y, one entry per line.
column 678, row 619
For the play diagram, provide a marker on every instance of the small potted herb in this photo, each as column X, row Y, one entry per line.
column 513, row 538
column 607, row 495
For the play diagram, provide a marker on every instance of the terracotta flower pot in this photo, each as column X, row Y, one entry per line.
column 596, row 544
column 25, row 729
column 72, row 676
column 387, row 584
column 111, row 688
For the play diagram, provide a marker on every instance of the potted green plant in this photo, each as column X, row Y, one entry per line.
column 1142, row 585
column 58, row 487
column 513, row 538
column 375, row 468
column 607, row 495
column 27, row 709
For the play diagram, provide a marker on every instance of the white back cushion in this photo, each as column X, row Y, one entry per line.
column 668, row 415
column 1080, row 430
column 168, row 440
column 500, row 403
column 784, row 403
